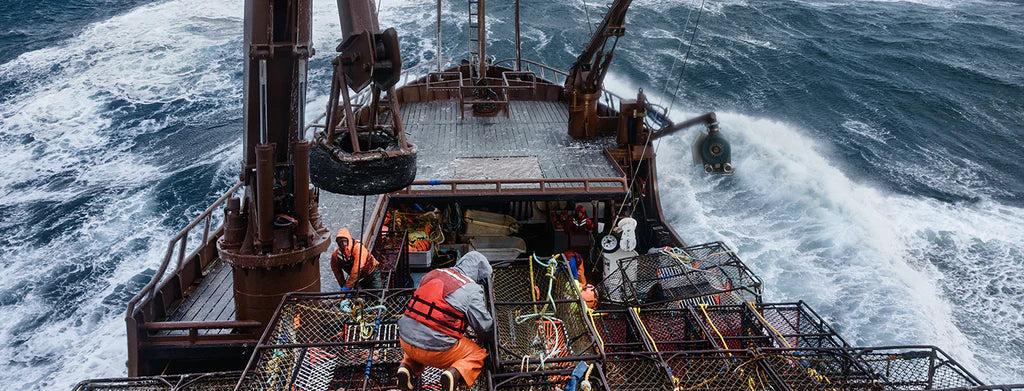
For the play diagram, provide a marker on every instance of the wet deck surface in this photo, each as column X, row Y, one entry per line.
column 533, row 129
column 213, row 300
column 449, row 148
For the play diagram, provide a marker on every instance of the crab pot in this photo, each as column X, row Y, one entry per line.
column 215, row 381
column 785, row 325
column 674, row 330
column 705, row 274
column 381, row 168
column 510, row 282
column 324, row 341
column 618, row 332
column 560, row 338
column 333, row 317
column 324, row 367
column 636, row 371
column 726, row 370
column 817, row 369
column 544, row 380
column 914, row 368
column 430, row 380
column 391, row 250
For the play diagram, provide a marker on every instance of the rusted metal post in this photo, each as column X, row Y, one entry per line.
column 300, row 158
column 482, row 37
column 519, row 56
column 439, row 35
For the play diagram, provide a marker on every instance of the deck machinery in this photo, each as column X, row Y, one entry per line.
column 545, row 172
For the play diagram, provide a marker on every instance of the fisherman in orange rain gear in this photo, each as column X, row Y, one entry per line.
column 353, row 257
column 432, row 330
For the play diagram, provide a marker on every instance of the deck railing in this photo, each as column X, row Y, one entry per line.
column 183, row 264
column 514, row 186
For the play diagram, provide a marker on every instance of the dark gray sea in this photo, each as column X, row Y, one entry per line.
column 878, row 149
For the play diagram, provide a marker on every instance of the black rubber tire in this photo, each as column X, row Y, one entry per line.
column 373, row 176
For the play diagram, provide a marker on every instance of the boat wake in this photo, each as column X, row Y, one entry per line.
column 884, row 268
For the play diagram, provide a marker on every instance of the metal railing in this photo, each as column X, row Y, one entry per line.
column 514, row 186
column 179, row 242
column 557, row 76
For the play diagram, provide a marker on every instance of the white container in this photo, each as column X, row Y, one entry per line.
column 499, row 248
column 421, row 259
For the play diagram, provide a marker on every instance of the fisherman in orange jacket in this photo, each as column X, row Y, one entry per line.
column 356, row 259
column 432, row 331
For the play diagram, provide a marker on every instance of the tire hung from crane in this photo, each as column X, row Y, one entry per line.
column 379, row 168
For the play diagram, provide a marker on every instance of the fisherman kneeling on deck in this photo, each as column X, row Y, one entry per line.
column 353, row 257
column 434, row 323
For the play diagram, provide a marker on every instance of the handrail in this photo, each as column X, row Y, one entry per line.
column 529, row 65
column 180, row 240
column 500, row 186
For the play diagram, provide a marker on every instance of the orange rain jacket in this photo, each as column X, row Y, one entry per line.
column 363, row 263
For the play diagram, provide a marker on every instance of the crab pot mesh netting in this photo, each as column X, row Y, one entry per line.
column 705, row 274
column 562, row 334
column 800, row 326
column 617, row 331
column 542, row 319
column 914, row 368
column 219, row 381
column 388, row 249
column 674, row 329
column 817, row 369
column 511, row 282
column 325, row 368
column 547, row 380
column 430, row 380
column 766, row 326
column 636, row 371
column 733, row 327
column 718, row 370
column 338, row 317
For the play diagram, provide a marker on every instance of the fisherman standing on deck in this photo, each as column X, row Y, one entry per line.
column 356, row 259
column 432, row 330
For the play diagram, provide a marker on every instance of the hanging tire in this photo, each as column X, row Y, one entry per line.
column 337, row 170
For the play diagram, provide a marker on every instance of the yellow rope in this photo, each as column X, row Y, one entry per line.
column 751, row 305
column 643, row 328
column 591, row 316
column 703, row 310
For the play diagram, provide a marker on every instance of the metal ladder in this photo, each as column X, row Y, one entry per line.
column 474, row 38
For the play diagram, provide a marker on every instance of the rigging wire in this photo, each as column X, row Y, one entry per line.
column 586, row 10
column 643, row 152
column 686, row 56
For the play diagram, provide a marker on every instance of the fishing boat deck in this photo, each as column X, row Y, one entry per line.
column 530, row 143
column 211, row 301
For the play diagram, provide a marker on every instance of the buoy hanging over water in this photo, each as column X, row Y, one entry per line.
column 712, row 151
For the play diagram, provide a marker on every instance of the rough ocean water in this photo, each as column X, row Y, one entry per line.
column 877, row 143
